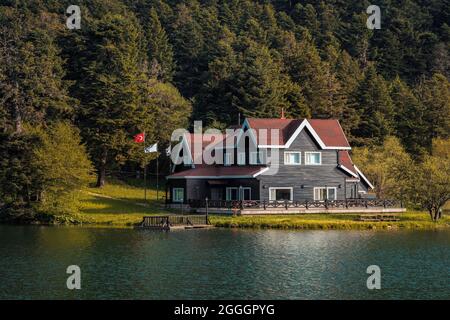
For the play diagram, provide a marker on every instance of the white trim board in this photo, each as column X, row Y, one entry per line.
column 364, row 177
column 340, row 166
column 223, row 177
column 305, row 124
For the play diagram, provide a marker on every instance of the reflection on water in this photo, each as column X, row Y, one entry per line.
column 222, row 264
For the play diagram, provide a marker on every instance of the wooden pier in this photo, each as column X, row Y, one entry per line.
column 175, row 222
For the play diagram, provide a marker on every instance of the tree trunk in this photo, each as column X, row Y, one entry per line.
column 437, row 213
column 101, row 176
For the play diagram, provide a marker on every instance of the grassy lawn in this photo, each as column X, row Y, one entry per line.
column 408, row 220
column 122, row 204
column 118, row 204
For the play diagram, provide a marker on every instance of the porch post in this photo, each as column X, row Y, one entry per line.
column 167, row 200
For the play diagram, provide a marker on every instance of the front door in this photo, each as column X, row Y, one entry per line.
column 246, row 193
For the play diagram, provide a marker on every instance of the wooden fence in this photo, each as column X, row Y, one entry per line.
column 305, row 204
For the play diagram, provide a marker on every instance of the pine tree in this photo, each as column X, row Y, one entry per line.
column 159, row 50
column 32, row 87
column 434, row 94
column 376, row 109
column 409, row 118
column 111, row 96
column 317, row 81
column 188, row 42
column 248, row 80
column 349, row 75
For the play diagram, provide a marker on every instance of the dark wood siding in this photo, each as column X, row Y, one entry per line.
column 200, row 188
column 303, row 178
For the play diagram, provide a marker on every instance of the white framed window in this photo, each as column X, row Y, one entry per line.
column 228, row 159
column 313, row 158
column 281, row 194
column 178, row 194
column 241, row 158
column 322, row 193
column 292, row 158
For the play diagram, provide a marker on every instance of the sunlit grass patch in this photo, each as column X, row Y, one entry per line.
column 408, row 220
column 117, row 203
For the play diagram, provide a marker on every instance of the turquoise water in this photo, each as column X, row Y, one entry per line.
column 222, row 264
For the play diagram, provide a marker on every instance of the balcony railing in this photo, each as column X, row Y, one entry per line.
column 304, row 204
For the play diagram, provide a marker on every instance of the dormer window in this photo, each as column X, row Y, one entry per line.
column 292, row 158
column 313, row 158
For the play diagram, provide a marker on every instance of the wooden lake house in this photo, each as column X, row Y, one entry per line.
column 272, row 163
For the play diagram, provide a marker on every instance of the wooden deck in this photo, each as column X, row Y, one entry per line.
column 175, row 222
column 256, row 207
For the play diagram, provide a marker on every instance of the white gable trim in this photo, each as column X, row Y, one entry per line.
column 347, row 170
column 260, row 172
column 364, row 177
column 305, row 123
column 210, row 177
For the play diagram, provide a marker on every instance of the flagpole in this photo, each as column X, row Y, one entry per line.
column 157, row 175
column 145, row 173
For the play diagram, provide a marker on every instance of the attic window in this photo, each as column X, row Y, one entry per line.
column 313, row 158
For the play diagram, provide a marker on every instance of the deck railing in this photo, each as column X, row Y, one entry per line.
column 164, row 222
column 305, row 204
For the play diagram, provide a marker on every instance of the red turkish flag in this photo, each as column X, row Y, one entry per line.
column 139, row 138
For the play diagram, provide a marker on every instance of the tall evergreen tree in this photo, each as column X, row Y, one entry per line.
column 111, row 95
column 375, row 108
column 434, row 94
column 159, row 50
column 32, row 87
column 248, row 80
column 317, row 81
column 188, row 42
column 409, row 122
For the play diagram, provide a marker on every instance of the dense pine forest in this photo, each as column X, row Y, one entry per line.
column 72, row 99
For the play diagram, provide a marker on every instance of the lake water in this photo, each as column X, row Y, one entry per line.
column 222, row 264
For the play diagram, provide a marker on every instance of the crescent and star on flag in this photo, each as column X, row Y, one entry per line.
column 140, row 138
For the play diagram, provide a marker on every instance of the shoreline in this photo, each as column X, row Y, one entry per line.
column 409, row 221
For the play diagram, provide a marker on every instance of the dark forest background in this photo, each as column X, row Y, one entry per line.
column 79, row 96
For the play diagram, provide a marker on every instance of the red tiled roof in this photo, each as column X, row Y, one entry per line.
column 206, row 141
column 329, row 130
column 346, row 161
column 218, row 171
column 286, row 128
